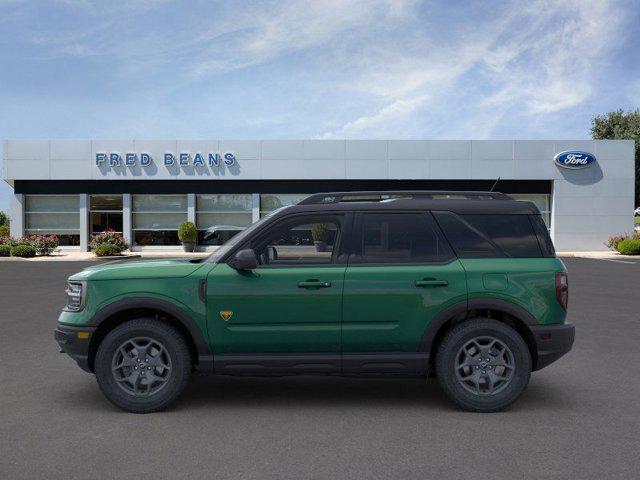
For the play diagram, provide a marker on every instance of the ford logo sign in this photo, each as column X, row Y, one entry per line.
column 574, row 159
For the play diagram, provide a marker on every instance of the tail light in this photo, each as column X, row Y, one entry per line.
column 562, row 289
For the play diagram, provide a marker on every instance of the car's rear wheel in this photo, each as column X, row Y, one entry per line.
column 143, row 365
column 483, row 365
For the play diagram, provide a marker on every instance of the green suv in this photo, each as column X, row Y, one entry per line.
column 463, row 286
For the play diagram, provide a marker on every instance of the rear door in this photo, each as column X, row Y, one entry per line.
column 401, row 273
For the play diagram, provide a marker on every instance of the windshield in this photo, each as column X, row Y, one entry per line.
column 236, row 240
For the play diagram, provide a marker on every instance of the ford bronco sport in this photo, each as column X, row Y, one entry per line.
column 464, row 286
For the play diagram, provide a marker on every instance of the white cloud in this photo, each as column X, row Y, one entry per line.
column 392, row 62
column 291, row 27
column 541, row 57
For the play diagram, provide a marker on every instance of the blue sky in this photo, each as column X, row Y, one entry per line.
column 320, row 69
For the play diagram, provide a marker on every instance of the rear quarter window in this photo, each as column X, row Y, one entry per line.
column 490, row 235
column 544, row 239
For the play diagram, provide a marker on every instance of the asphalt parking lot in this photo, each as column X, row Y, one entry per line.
column 579, row 418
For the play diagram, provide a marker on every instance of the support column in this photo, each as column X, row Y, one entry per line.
column 17, row 215
column 552, row 215
column 84, row 222
column 127, row 234
column 191, row 208
column 255, row 207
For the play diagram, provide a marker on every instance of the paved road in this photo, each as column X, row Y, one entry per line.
column 580, row 418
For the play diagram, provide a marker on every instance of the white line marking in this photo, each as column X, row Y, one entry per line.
column 617, row 261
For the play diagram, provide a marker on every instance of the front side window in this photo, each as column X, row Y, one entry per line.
column 301, row 241
column 399, row 238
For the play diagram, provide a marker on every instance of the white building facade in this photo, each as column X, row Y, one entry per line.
column 146, row 188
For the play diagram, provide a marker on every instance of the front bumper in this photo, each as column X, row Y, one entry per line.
column 552, row 342
column 75, row 341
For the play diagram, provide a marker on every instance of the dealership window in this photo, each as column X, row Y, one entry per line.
column 54, row 215
column 106, row 213
column 220, row 217
column 272, row 201
column 541, row 200
column 156, row 218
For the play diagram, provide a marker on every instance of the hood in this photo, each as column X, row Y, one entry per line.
column 169, row 268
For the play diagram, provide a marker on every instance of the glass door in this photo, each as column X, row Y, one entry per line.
column 106, row 213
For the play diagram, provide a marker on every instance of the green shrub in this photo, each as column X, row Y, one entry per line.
column 187, row 232
column 612, row 242
column 44, row 244
column 12, row 242
column 5, row 250
column 319, row 232
column 108, row 250
column 108, row 238
column 4, row 230
column 23, row 250
column 629, row 246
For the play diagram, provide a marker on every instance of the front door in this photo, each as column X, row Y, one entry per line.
column 286, row 313
column 401, row 274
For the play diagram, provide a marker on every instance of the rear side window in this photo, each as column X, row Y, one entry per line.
column 490, row 236
column 399, row 238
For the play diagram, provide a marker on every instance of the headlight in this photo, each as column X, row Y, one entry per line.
column 75, row 296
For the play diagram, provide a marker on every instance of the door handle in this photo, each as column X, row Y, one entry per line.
column 431, row 282
column 314, row 284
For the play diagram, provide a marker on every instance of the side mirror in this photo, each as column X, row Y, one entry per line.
column 245, row 260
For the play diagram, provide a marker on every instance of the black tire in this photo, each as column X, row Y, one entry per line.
column 175, row 379
column 449, row 355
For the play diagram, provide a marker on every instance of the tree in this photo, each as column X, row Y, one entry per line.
column 620, row 125
column 4, row 218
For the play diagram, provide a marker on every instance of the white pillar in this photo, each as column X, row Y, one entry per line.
column 127, row 234
column 17, row 215
column 84, row 222
column 191, row 208
column 255, row 207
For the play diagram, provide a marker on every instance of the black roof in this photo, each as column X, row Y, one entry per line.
column 451, row 201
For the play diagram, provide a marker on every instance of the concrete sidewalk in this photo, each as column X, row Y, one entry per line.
column 75, row 256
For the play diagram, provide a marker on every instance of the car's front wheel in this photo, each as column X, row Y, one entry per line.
column 143, row 365
column 483, row 365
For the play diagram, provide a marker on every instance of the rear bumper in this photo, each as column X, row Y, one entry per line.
column 74, row 346
column 552, row 342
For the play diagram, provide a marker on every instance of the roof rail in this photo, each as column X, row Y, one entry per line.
column 378, row 196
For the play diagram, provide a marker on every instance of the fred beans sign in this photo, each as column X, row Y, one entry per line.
column 574, row 159
column 169, row 159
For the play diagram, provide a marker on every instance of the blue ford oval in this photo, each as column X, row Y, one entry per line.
column 574, row 159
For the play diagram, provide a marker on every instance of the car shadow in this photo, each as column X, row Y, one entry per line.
column 253, row 393
column 267, row 392
column 330, row 392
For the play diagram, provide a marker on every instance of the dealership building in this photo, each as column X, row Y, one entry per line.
column 147, row 188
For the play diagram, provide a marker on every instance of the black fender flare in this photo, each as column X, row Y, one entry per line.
column 464, row 307
column 205, row 358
